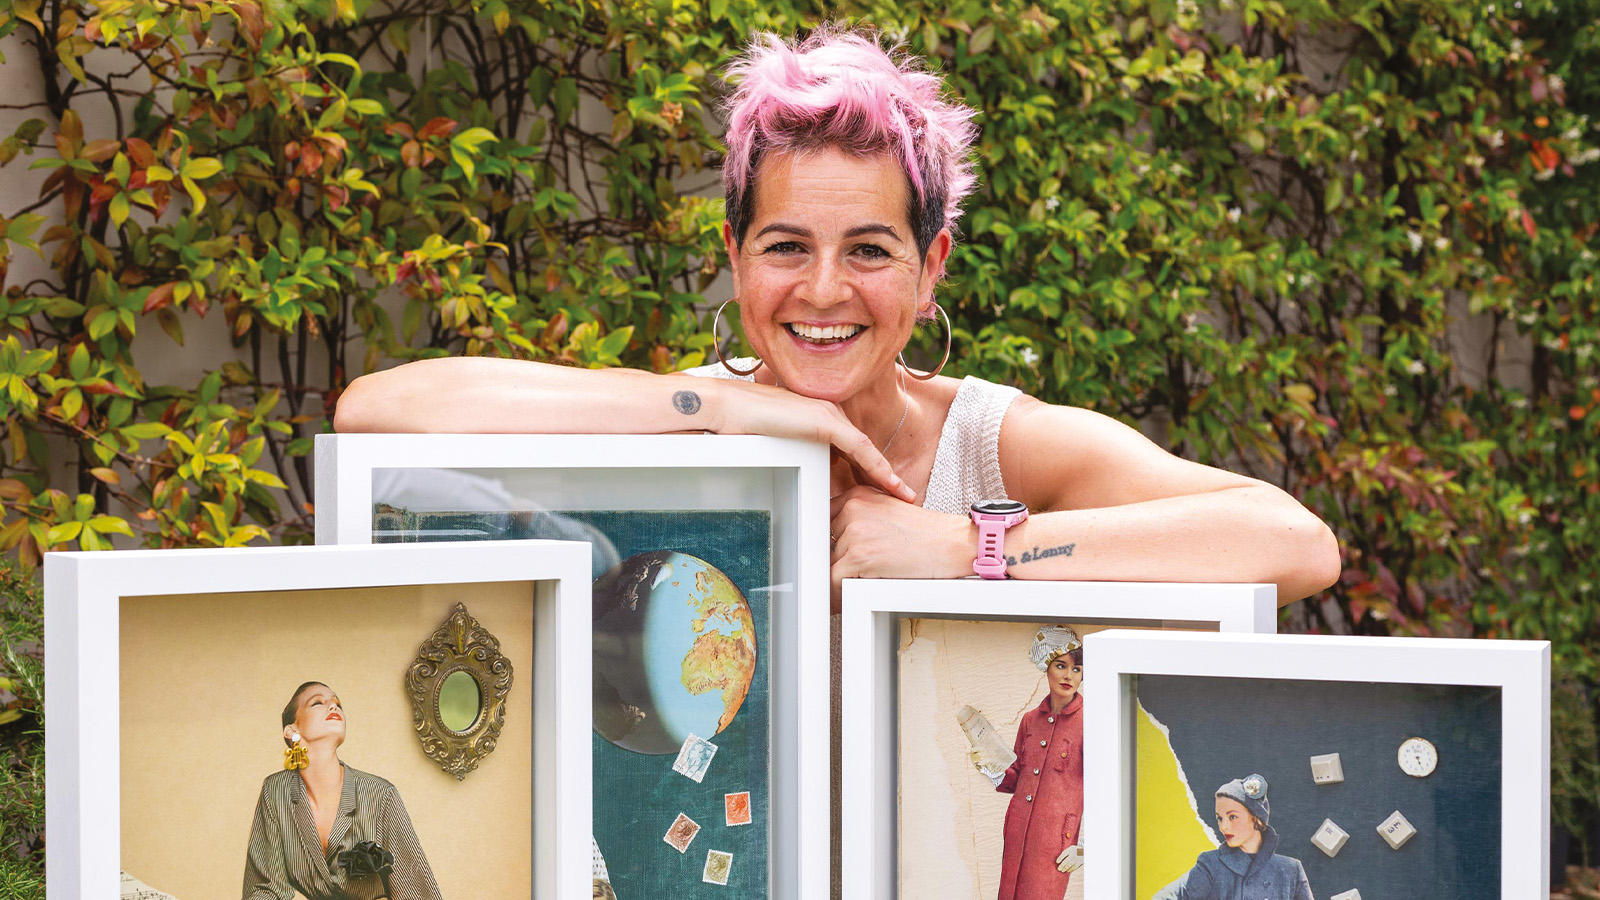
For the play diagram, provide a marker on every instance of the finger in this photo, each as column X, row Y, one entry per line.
column 872, row 463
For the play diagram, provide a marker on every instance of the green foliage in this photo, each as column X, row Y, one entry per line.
column 21, row 734
column 1342, row 246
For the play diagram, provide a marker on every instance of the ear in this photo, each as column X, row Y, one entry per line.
column 732, row 247
column 289, row 733
column 932, row 271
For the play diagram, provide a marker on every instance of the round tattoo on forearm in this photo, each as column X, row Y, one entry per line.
column 686, row 402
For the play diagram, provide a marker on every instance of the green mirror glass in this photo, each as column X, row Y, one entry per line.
column 460, row 702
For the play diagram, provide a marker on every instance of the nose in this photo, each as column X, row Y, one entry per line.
column 827, row 283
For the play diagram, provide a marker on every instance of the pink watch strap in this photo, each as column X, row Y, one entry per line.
column 990, row 560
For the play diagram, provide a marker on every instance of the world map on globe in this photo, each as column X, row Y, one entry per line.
column 674, row 651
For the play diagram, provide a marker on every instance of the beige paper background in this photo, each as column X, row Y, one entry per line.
column 205, row 677
column 951, row 817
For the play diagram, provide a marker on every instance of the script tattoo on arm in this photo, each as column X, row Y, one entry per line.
column 1037, row 554
column 686, row 402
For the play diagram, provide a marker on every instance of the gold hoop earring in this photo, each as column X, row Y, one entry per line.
column 949, row 335
column 716, row 324
column 294, row 756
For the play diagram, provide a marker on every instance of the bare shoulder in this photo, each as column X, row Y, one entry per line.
column 1068, row 457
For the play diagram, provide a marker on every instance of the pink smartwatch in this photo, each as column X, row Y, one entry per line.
column 993, row 517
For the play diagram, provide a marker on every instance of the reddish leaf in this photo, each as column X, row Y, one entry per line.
column 250, row 18
column 438, row 127
column 159, row 297
column 406, row 270
column 1577, row 413
column 101, row 386
column 411, row 154
column 394, row 128
column 1528, row 226
column 291, row 150
column 310, row 159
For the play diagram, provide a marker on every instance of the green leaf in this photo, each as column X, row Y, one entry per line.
column 143, row 431
column 982, row 38
column 118, row 208
column 103, row 524
column 78, row 362
column 340, row 59
column 202, row 168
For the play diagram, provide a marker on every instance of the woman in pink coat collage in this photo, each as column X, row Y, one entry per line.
column 1046, row 781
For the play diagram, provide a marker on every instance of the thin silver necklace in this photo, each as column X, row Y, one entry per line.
column 903, row 410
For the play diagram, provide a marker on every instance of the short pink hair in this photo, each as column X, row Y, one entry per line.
column 841, row 89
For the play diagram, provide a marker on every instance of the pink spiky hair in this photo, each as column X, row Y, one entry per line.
column 839, row 88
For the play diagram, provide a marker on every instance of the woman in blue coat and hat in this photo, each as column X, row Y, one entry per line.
column 1247, row 865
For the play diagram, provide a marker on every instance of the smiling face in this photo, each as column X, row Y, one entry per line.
column 318, row 716
column 1237, row 825
column 1065, row 677
column 829, row 277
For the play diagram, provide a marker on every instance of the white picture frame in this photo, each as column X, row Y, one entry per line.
column 873, row 609
column 788, row 478
column 1519, row 669
column 84, row 597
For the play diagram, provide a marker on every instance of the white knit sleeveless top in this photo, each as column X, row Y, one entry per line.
column 966, row 467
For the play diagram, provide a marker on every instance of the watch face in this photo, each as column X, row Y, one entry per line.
column 997, row 507
column 1418, row 757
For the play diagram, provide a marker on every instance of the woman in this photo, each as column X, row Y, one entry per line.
column 1046, row 781
column 1246, row 866
column 844, row 177
column 325, row 830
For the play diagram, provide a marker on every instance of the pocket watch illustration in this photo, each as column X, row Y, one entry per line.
column 1418, row 757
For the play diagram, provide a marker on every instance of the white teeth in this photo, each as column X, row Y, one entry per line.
column 825, row 332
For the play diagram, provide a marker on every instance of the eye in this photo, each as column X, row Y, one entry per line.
column 872, row 251
column 783, row 248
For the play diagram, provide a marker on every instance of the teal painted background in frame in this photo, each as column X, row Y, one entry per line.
column 636, row 795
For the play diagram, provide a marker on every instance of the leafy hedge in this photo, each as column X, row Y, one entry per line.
column 1341, row 246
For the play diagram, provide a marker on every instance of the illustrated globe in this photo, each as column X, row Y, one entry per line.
column 674, row 651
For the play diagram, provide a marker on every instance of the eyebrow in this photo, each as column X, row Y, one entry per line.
column 857, row 231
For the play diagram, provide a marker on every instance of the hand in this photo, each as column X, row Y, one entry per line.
column 1070, row 860
column 776, row 412
column 879, row 536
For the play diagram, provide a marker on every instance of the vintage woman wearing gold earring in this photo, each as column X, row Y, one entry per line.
column 846, row 168
column 327, row 831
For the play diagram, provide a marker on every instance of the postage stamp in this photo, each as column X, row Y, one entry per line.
column 718, row 865
column 736, row 808
column 681, row 833
column 694, row 757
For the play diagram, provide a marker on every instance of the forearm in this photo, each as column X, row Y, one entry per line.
column 477, row 395
column 1251, row 533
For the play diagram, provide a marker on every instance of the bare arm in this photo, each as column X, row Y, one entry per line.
column 1112, row 506
column 477, row 395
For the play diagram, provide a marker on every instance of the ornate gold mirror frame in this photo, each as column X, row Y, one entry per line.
column 459, row 645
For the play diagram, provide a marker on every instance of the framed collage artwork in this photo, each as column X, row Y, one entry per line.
column 434, row 677
column 1335, row 767
column 963, row 772
column 710, row 644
